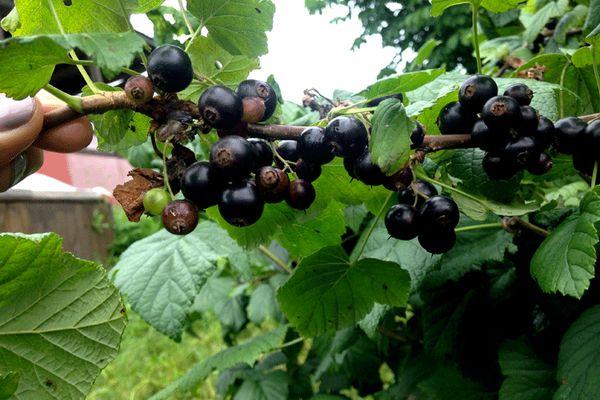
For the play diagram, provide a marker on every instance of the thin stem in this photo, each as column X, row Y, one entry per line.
column 165, row 172
column 561, row 96
column 369, row 232
column 278, row 261
column 205, row 78
column 92, row 62
column 73, row 102
column 594, row 175
column 291, row 343
column 196, row 33
column 424, row 177
column 286, row 163
column 357, row 110
column 185, row 17
column 476, row 36
column 595, row 67
column 480, row 226
column 512, row 222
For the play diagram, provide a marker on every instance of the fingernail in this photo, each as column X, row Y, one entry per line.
column 14, row 113
column 19, row 167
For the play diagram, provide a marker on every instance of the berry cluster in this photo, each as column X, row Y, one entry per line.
column 512, row 132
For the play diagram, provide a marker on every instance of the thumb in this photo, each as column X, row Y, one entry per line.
column 20, row 124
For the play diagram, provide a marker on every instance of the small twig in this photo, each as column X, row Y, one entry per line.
column 278, row 261
column 291, row 343
column 511, row 223
column 491, row 225
column 275, row 132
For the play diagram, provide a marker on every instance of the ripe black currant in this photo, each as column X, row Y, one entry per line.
column 232, row 158
column 521, row 150
column 139, row 89
column 455, row 119
column 307, row 170
column 170, row 68
column 220, row 107
column 437, row 241
column 529, row 121
column 476, row 91
column 376, row 101
column 583, row 162
column 368, row 172
column 199, row 185
column 402, row 222
column 501, row 112
column 301, row 194
column 347, row 135
column 570, row 133
column 241, row 205
column 349, row 163
column 544, row 133
column 417, row 193
column 497, row 167
column 313, row 146
column 255, row 88
column 288, row 150
column 180, row 217
column 272, row 184
column 539, row 165
column 263, row 153
column 439, row 211
column 520, row 92
column 418, row 135
column 592, row 137
column 488, row 139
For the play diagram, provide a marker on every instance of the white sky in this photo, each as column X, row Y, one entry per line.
column 307, row 51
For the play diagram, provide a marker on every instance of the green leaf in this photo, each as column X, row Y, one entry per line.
column 354, row 216
column 447, row 383
column 370, row 323
column 246, row 353
column 147, row 5
column 427, row 111
column 238, row 26
column 592, row 21
column 36, row 16
column 565, row 261
column 217, row 65
column 425, row 52
column 263, row 304
column 527, row 377
column 578, row 369
column 269, row 386
column 326, row 292
column 497, row 6
column 223, row 296
column 162, row 274
column 536, row 21
column 401, row 83
column 9, row 383
column 60, row 318
column 390, row 137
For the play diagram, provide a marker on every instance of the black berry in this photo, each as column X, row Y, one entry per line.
column 437, row 241
column 520, row 92
column 368, row 172
column 376, row 101
column 170, row 68
column 544, row 133
column 570, row 133
column 497, row 167
column 540, row 164
column 455, row 119
column 288, row 150
column 521, row 150
column 272, row 184
column 529, row 121
column 592, row 137
column 313, row 146
column 139, row 89
column 307, row 170
column 220, row 107
column 501, row 112
column 263, row 153
column 400, row 180
column 418, row 135
column 417, row 193
column 180, row 217
column 349, row 163
column 232, row 158
column 439, row 211
column 402, row 222
column 301, row 194
column 262, row 90
column 476, row 91
column 488, row 139
column 199, row 186
column 347, row 135
column 241, row 205
column 583, row 162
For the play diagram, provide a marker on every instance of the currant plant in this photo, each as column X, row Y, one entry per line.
column 432, row 236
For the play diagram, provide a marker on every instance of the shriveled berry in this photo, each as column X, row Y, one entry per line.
column 263, row 153
column 139, row 89
column 262, row 90
column 313, row 146
column 520, row 92
column 170, row 68
column 455, row 119
column 497, row 167
column 437, row 241
column 540, row 165
column 402, row 222
column 368, row 172
column 180, row 217
column 307, row 170
column 301, row 194
column 347, row 135
column 476, row 91
column 417, row 193
column 439, row 211
column 232, row 158
column 570, row 134
column 272, row 184
column 241, row 204
column 502, row 112
column 221, row 107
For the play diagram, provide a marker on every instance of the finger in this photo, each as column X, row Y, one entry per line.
column 21, row 167
column 20, row 124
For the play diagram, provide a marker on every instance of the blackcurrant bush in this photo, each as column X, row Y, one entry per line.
column 418, row 135
column 544, row 133
column 307, row 170
column 501, row 112
column 220, row 107
column 288, row 150
column 155, row 200
column 301, row 194
column 241, row 205
column 455, row 119
column 232, row 158
column 570, row 133
column 520, row 92
column 180, row 217
column 476, row 91
column 368, row 172
column 272, row 184
column 263, row 153
column 497, row 167
column 139, row 89
column 521, row 150
column 347, row 135
column 439, row 211
column 529, row 121
column 488, row 139
column 349, row 163
column 170, row 68
column 313, row 146
column 199, row 185
column 255, row 88
column 402, row 222
column 417, row 193
column 437, row 241
column 376, row 101
column 400, row 180
column 539, row 165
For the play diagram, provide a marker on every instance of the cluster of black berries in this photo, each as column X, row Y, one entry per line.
column 422, row 212
column 512, row 132
column 574, row 136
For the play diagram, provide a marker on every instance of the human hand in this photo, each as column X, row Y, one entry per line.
column 22, row 139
